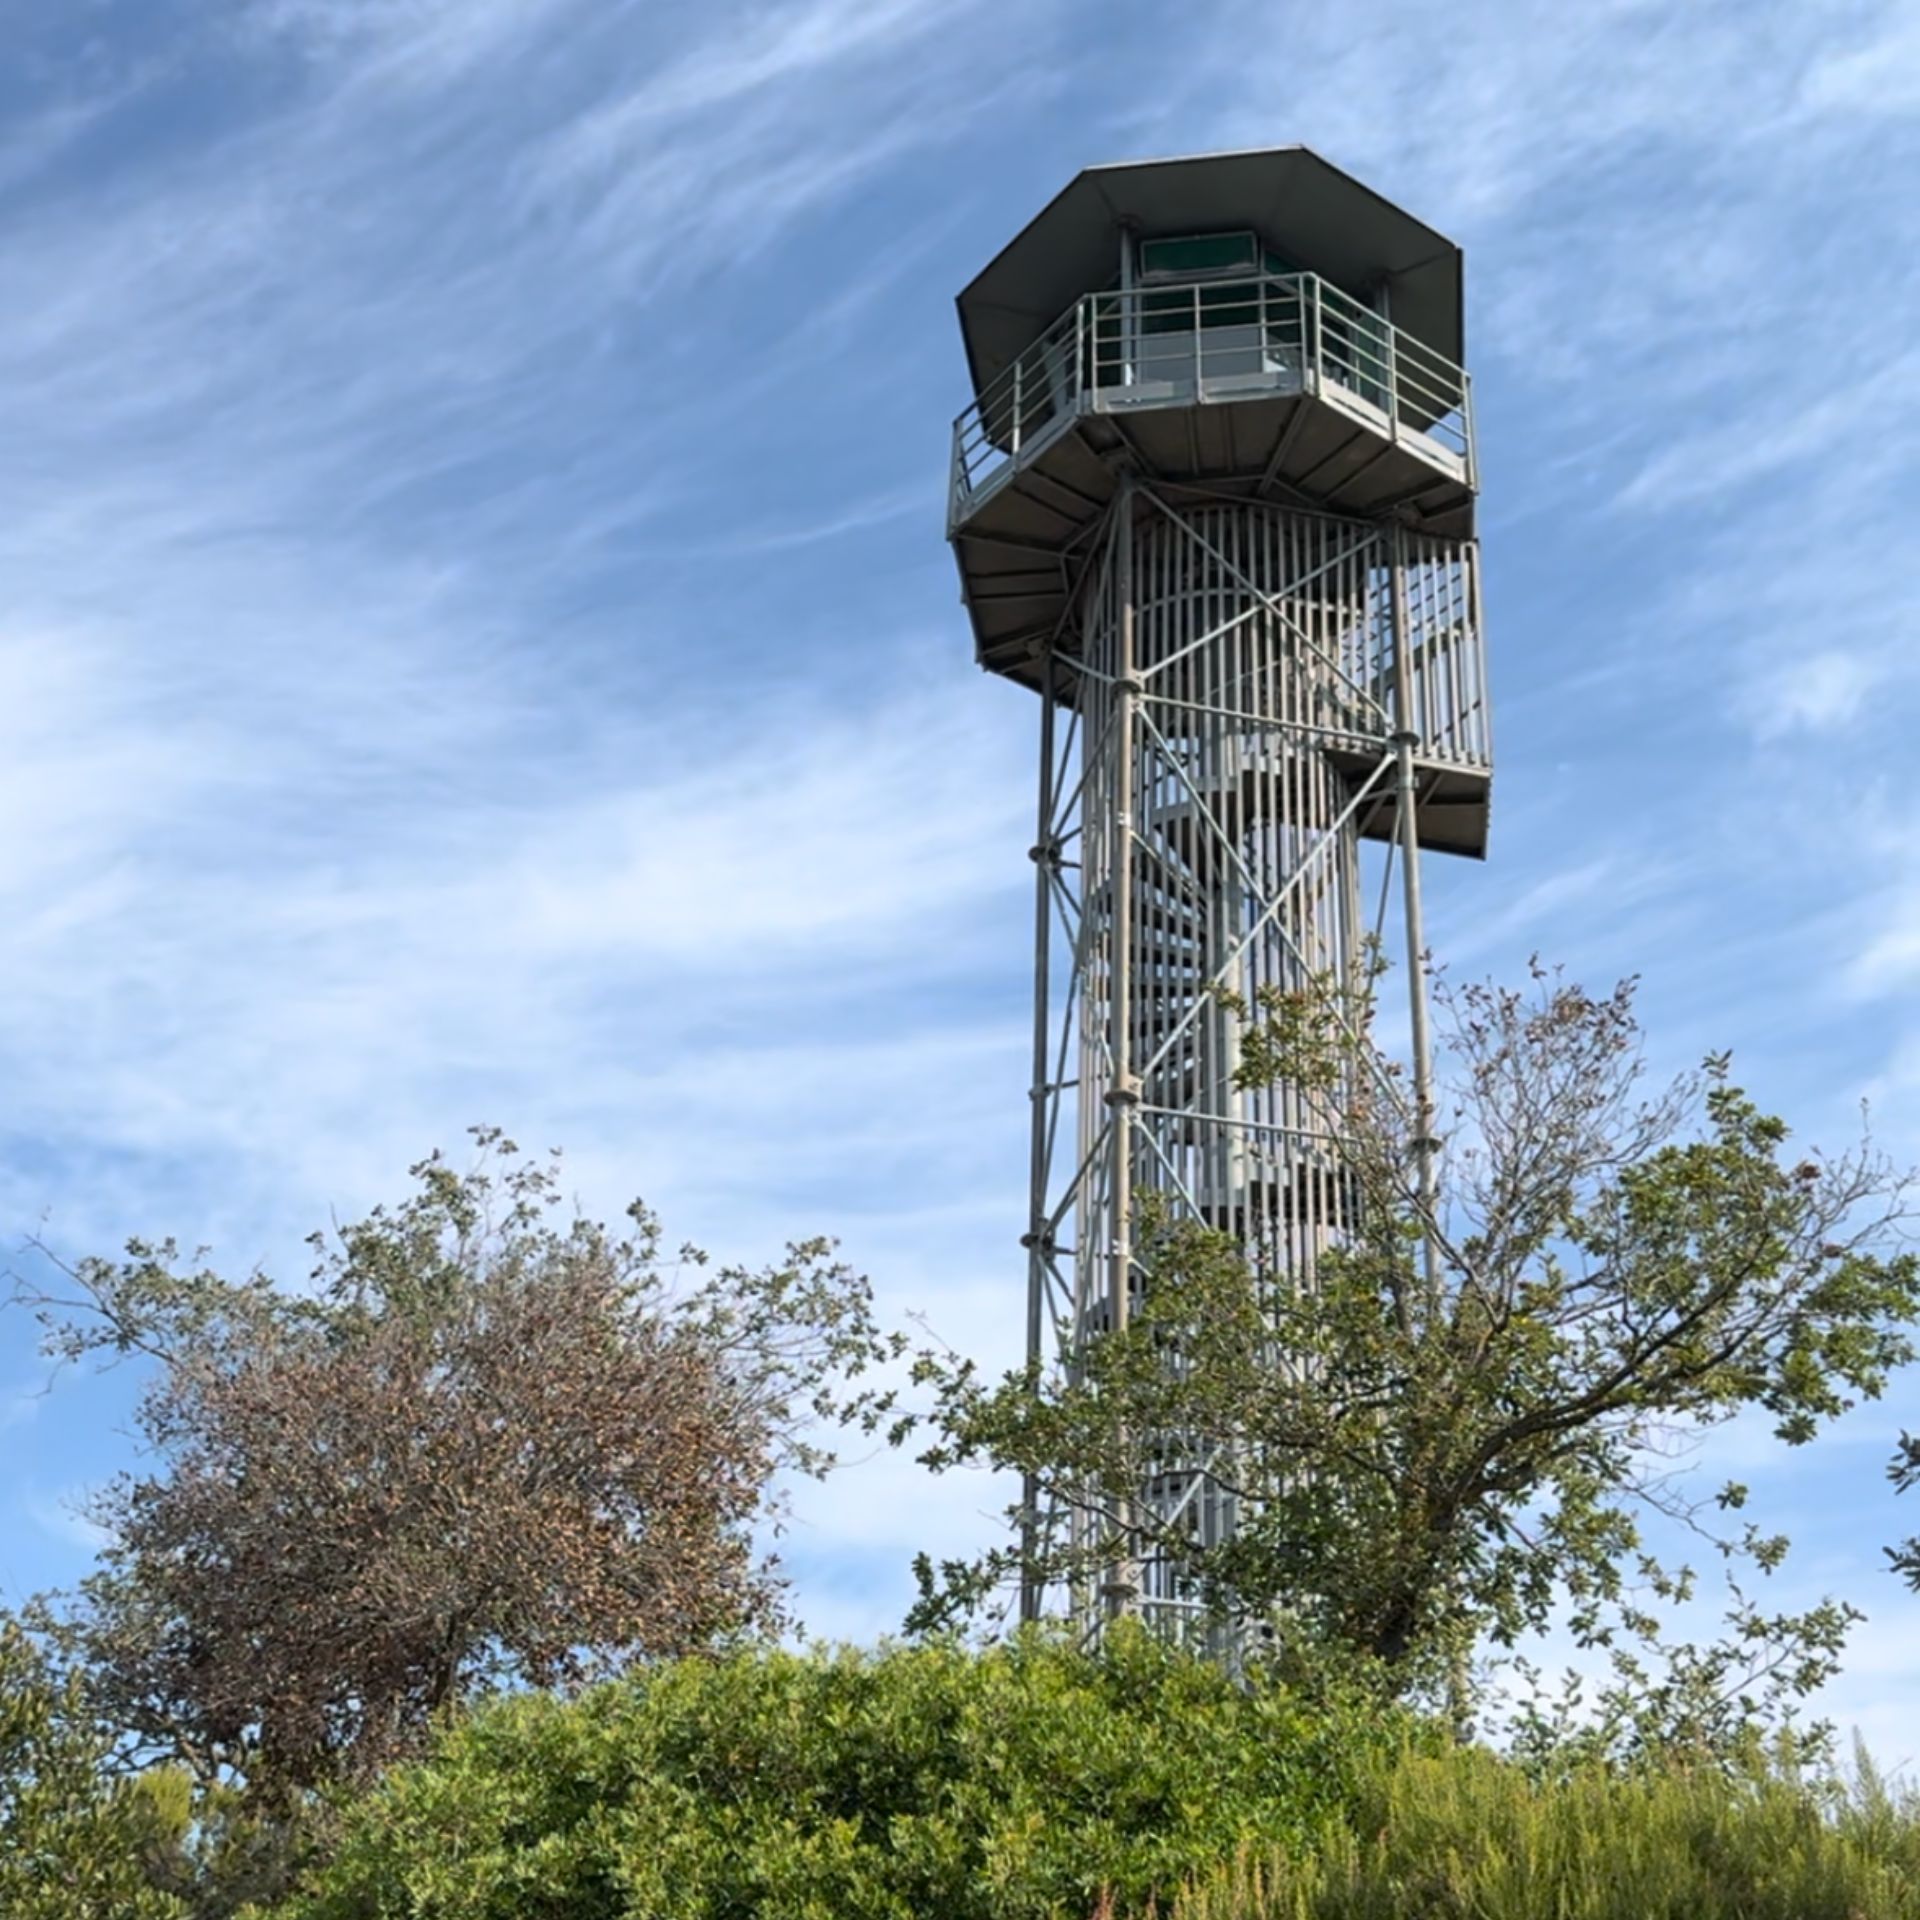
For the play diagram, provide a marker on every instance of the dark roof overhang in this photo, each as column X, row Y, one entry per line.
column 1301, row 204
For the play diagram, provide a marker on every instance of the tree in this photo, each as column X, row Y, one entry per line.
column 72, row 1839
column 1457, row 1450
column 494, row 1444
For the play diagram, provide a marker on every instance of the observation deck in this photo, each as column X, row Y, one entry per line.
column 1254, row 326
column 1281, row 387
column 1396, row 426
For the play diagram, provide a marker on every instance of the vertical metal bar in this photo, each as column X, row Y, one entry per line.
column 1466, row 423
column 1392, row 355
column 1476, row 626
column 1407, row 790
column 1045, row 859
column 956, row 479
column 1123, row 1094
column 1019, row 402
column 1457, row 662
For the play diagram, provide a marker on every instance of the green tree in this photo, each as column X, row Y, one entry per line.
column 494, row 1444
column 1455, row 1448
column 74, row 1840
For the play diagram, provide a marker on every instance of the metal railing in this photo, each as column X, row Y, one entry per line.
column 1211, row 340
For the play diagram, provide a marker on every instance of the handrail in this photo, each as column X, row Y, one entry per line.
column 1193, row 341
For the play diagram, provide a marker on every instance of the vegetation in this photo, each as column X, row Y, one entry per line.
column 1030, row 1781
column 1459, row 1448
column 1462, row 1835
column 440, row 1592
column 73, row 1841
column 927, row 1783
column 493, row 1446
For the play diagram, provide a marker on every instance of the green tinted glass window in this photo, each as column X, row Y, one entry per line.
column 1202, row 253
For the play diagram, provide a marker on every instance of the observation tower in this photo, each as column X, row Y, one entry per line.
column 1213, row 501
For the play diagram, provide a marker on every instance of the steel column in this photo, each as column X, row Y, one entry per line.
column 1406, row 737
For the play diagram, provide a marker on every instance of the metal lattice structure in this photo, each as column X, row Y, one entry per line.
column 1223, row 526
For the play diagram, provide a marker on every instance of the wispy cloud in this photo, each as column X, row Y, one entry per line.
column 408, row 44
column 19, row 1405
column 1886, row 959
column 713, row 152
column 1819, row 694
column 1875, row 73
column 883, row 509
column 63, row 1516
column 1850, row 417
column 771, row 48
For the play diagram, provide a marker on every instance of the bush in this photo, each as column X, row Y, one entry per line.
column 1030, row 1781
column 1444, row 1836
column 927, row 1783
column 73, row 1842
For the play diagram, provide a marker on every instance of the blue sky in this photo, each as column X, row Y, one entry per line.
column 476, row 641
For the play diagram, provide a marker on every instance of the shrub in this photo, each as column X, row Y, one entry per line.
column 1444, row 1836
column 925, row 1783
column 73, row 1841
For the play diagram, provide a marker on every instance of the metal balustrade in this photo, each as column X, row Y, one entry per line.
column 1212, row 341
column 1440, row 615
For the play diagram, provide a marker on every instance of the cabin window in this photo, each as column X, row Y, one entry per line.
column 1201, row 257
column 1194, row 288
column 1203, row 253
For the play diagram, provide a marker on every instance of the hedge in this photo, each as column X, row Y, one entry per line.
column 912, row 1783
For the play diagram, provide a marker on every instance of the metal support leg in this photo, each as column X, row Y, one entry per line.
column 1038, row 1235
column 1406, row 737
column 1122, row 1585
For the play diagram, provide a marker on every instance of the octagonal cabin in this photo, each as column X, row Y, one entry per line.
column 1253, row 325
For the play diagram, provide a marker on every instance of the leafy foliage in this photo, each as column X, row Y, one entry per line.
column 1009, row 1785
column 1455, row 1444
column 215, row 1848
column 1465, row 1836
column 73, row 1842
column 496, row 1444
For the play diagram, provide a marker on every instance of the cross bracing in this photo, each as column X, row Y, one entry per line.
column 1235, row 697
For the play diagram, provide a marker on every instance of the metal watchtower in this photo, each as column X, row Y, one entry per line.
column 1213, row 500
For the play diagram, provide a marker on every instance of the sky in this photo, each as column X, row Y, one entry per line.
column 477, row 642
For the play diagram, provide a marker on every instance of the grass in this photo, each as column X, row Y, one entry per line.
column 1467, row 1836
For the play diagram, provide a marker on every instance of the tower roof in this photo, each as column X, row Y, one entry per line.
column 1325, row 219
